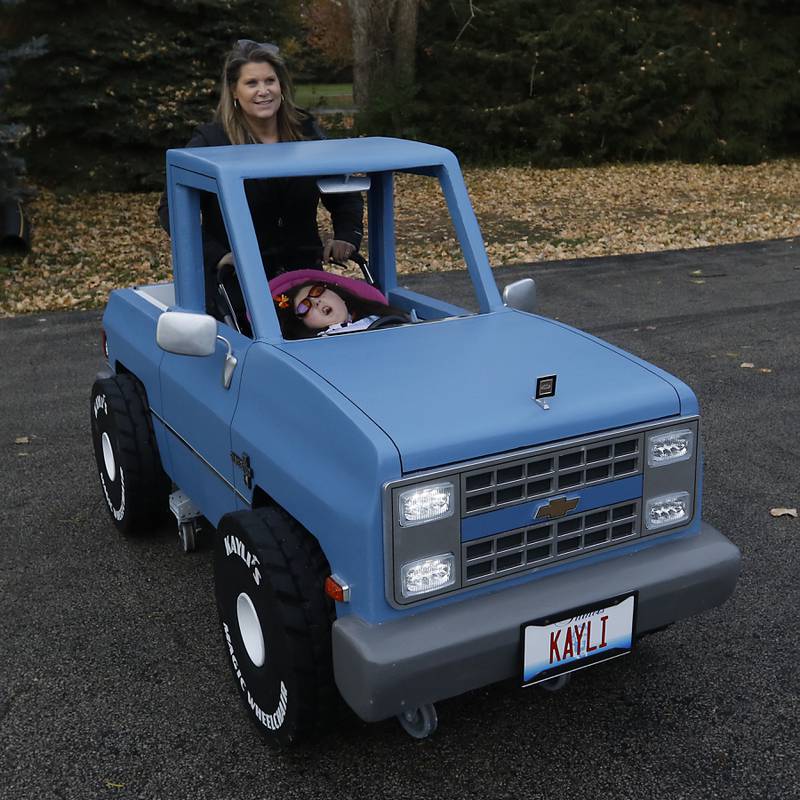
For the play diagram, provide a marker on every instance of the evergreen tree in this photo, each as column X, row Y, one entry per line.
column 12, row 167
column 127, row 79
column 547, row 81
column 565, row 81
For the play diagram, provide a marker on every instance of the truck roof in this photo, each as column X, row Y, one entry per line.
column 325, row 157
column 222, row 170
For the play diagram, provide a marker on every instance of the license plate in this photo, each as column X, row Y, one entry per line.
column 577, row 639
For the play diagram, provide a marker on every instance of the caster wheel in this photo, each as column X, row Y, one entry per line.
column 556, row 684
column 187, row 532
column 419, row 722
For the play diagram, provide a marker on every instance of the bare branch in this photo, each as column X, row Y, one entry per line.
column 532, row 86
column 472, row 10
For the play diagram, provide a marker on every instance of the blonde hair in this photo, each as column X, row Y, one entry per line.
column 228, row 113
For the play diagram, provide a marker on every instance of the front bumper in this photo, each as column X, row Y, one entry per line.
column 382, row 670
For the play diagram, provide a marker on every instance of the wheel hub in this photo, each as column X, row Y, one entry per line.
column 250, row 630
column 108, row 458
column 419, row 722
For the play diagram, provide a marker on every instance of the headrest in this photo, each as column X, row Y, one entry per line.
column 288, row 280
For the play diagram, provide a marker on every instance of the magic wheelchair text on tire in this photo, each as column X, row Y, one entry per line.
column 276, row 620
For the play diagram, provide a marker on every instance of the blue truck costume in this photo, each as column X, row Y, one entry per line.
column 469, row 529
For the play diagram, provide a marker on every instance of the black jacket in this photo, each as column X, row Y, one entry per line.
column 284, row 214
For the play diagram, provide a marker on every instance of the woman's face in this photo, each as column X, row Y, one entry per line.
column 258, row 91
column 324, row 309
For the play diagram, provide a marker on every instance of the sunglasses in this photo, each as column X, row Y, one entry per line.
column 304, row 306
column 268, row 46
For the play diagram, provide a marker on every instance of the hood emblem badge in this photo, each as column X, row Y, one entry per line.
column 545, row 387
column 557, row 507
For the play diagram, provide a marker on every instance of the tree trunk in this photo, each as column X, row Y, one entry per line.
column 384, row 39
column 405, row 40
column 362, row 50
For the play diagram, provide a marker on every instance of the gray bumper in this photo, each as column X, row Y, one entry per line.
column 382, row 670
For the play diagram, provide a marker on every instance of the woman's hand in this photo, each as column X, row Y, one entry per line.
column 225, row 260
column 337, row 250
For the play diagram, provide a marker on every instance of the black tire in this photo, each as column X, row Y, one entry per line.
column 269, row 575
column 134, row 485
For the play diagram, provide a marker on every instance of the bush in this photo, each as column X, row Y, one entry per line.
column 584, row 81
column 129, row 79
column 12, row 167
column 553, row 82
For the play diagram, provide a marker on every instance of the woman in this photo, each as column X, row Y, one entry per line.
column 255, row 107
column 321, row 308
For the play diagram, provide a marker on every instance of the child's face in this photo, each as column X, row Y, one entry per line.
column 319, row 307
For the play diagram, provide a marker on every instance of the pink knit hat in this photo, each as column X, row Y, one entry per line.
column 288, row 280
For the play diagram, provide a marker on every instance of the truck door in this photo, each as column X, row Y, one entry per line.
column 198, row 410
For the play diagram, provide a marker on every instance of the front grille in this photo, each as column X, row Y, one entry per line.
column 518, row 480
column 527, row 548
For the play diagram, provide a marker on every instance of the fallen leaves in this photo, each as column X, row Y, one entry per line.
column 783, row 512
column 19, row 440
column 747, row 364
column 751, row 365
column 85, row 245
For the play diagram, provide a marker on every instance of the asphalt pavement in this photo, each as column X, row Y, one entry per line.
column 113, row 678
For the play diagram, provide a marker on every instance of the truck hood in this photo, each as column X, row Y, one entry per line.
column 463, row 388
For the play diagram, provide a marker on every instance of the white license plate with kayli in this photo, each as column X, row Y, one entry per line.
column 577, row 639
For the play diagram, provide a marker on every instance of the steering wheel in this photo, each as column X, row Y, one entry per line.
column 385, row 322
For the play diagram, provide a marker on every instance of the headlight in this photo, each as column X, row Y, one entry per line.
column 669, row 509
column 427, row 574
column 426, row 504
column 670, row 447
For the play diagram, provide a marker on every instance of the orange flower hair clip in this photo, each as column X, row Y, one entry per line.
column 282, row 300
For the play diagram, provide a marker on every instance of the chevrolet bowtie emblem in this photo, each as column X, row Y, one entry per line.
column 557, row 507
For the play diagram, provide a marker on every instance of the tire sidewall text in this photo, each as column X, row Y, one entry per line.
column 266, row 690
column 114, row 490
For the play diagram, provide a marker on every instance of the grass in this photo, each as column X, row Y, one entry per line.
column 324, row 95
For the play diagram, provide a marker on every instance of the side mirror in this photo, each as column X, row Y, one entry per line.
column 337, row 184
column 187, row 334
column 521, row 295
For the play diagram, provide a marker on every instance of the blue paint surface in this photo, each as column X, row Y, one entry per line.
column 326, row 423
column 463, row 388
